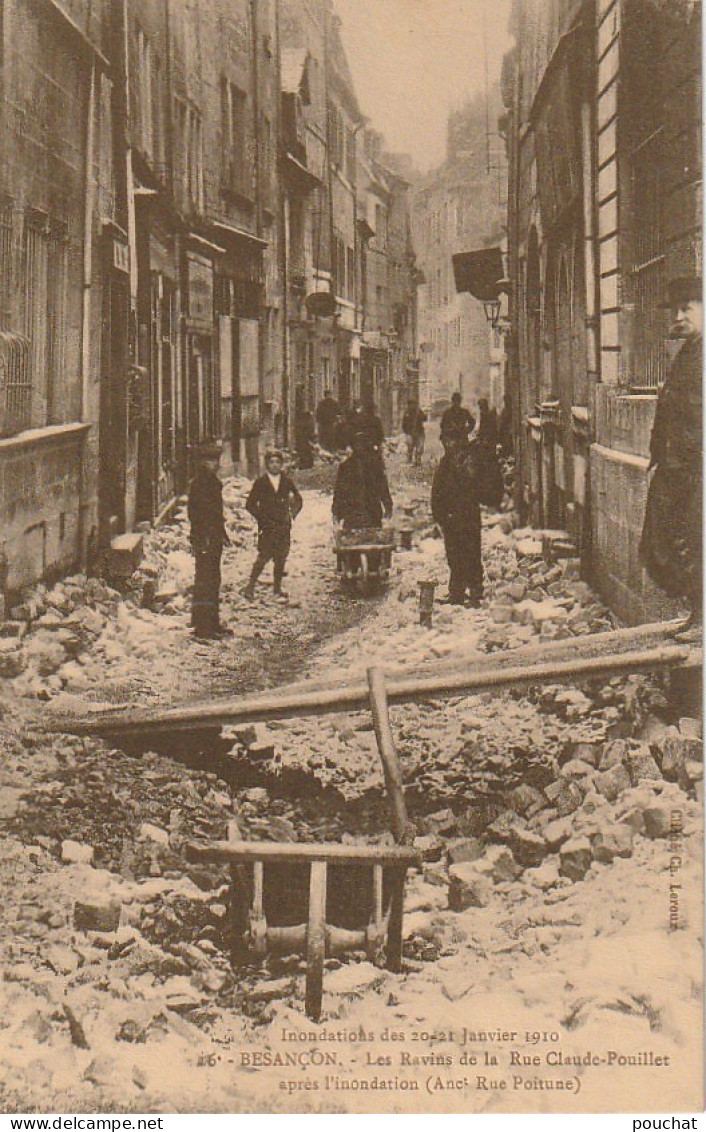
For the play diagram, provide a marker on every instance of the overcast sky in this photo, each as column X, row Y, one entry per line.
column 412, row 60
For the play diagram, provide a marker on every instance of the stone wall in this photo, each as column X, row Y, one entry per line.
column 618, row 498
column 45, row 516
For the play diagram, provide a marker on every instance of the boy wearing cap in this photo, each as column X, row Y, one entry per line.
column 275, row 502
column 208, row 537
column 671, row 536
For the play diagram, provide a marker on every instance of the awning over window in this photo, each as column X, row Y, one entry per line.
column 480, row 272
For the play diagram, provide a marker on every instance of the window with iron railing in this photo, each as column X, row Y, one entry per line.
column 15, row 384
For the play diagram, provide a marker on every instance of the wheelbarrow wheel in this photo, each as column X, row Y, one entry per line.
column 316, row 940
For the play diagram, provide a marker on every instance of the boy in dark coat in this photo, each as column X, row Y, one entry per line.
column 275, row 502
column 456, row 509
column 208, row 537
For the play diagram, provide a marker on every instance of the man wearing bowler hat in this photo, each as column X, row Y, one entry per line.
column 671, row 537
column 208, row 537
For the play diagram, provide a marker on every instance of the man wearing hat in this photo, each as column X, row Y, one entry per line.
column 670, row 547
column 208, row 537
column 275, row 502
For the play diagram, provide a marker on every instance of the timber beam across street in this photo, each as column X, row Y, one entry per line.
column 620, row 651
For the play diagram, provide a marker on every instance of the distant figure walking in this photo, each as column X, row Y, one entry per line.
column 671, row 544
column 208, row 537
column 304, row 434
column 455, row 508
column 505, row 428
column 457, row 423
column 413, row 423
column 275, row 502
column 369, row 427
column 487, row 425
column 347, row 425
column 327, row 414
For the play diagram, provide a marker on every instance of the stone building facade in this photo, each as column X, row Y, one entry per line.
column 603, row 100
column 388, row 283
column 180, row 256
column 57, row 206
column 455, row 208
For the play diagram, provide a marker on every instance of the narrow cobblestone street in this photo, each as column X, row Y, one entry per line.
column 351, row 547
column 544, row 820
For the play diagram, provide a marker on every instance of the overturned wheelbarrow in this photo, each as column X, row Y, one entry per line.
column 326, row 866
column 359, row 886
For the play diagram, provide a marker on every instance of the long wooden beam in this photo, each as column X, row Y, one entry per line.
column 235, row 852
column 646, row 648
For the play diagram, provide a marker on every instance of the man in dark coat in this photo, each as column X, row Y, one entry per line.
column 208, row 537
column 275, row 502
column 672, row 532
column 455, row 508
column 457, row 422
column 361, row 495
column 327, row 414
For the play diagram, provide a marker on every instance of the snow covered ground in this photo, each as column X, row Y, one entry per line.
column 553, row 825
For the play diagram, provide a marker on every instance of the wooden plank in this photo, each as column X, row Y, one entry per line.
column 622, row 650
column 292, row 852
column 402, row 829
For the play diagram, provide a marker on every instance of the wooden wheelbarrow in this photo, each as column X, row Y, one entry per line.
column 327, row 873
column 363, row 556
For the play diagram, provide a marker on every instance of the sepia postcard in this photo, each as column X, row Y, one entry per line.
column 350, row 558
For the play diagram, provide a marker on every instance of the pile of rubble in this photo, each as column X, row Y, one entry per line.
column 533, row 597
column 604, row 796
column 49, row 631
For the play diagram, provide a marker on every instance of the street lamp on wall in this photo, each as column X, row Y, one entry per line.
column 492, row 310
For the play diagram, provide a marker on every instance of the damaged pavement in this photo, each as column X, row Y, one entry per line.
column 550, row 823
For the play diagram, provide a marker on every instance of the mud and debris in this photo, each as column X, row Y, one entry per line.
column 545, row 823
